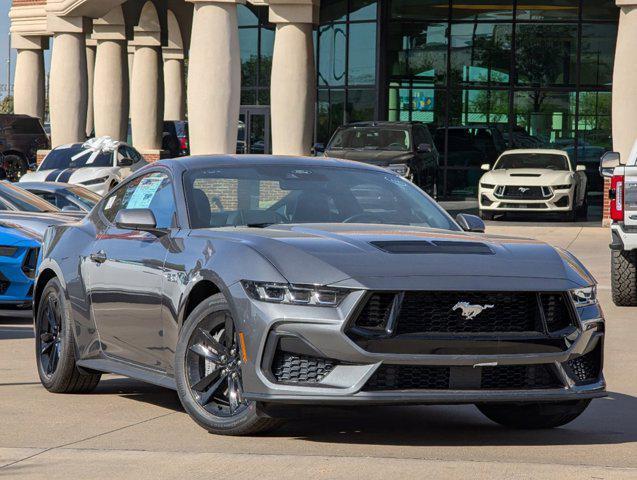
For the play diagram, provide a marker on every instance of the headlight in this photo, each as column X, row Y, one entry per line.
column 95, row 181
column 294, row 294
column 487, row 186
column 8, row 251
column 583, row 297
column 400, row 168
column 562, row 187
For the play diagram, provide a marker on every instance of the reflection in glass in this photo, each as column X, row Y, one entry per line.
column 331, row 67
column 249, row 45
column 246, row 16
column 416, row 102
column 598, row 54
column 267, row 47
column 482, row 10
column 546, row 54
column 331, row 109
column 361, row 104
column 333, row 11
column 362, row 54
column 548, row 10
column 420, row 9
column 480, row 53
column 362, row 10
column 600, row 10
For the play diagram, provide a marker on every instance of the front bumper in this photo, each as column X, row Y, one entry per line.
column 622, row 237
column 559, row 201
column 322, row 332
column 16, row 286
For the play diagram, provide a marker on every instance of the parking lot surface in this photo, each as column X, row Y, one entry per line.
column 127, row 429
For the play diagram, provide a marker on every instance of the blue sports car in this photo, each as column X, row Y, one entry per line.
column 19, row 250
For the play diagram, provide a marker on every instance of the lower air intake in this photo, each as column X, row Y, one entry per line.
column 295, row 368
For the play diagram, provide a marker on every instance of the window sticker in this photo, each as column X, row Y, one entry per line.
column 145, row 192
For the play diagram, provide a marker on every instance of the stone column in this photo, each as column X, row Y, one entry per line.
column 90, row 80
column 214, row 77
column 68, row 97
column 111, row 76
column 131, row 63
column 293, row 81
column 28, row 92
column 174, row 88
column 147, row 88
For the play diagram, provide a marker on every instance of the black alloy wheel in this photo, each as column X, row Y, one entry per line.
column 214, row 366
column 49, row 336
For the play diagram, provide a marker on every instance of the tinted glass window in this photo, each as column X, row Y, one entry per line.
column 153, row 191
column 27, row 126
column 23, row 200
column 265, row 195
column 372, row 138
column 533, row 160
column 75, row 157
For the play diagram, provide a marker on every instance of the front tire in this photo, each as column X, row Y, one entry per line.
column 534, row 416
column 624, row 277
column 55, row 345
column 208, row 373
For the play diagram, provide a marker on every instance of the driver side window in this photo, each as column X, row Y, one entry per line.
column 153, row 191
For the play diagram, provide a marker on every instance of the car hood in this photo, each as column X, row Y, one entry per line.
column 381, row 158
column 365, row 256
column 528, row 176
column 33, row 225
column 70, row 175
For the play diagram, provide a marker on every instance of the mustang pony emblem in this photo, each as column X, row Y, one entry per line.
column 471, row 311
column 523, row 189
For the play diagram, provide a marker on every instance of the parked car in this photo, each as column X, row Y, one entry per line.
column 623, row 214
column 64, row 196
column 589, row 156
column 246, row 282
column 175, row 138
column 21, row 137
column 15, row 199
column 406, row 148
column 18, row 261
column 536, row 180
column 98, row 164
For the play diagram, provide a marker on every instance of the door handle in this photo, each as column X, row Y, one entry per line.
column 99, row 257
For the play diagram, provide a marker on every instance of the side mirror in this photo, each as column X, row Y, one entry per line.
column 470, row 223
column 125, row 162
column 485, row 167
column 136, row 219
column 318, row 148
column 424, row 148
column 580, row 168
column 608, row 163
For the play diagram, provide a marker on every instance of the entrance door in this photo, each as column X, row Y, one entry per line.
column 254, row 130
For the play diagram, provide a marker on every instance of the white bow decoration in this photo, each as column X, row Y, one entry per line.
column 96, row 146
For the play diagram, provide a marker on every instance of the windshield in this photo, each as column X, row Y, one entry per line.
column 23, row 200
column 75, row 157
column 550, row 161
column 371, row 138
column 260, row 196
column 84, row 196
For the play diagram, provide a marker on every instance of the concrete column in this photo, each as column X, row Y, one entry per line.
column 131, row 63
column 174, row 88
column 214, row 77
column 293, row 81
column 28, row 93
column 68, row 97
column 147, row 87
column 111, row 77
column 90, row 78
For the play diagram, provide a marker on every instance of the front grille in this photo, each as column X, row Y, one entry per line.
column 294, row 368
column 4, row 284
column 522, row 193
column 523, row 206
column 427, row 377
column 442, row 312
column 587, row 368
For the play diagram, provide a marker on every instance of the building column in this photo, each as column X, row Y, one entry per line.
column 293, row 81
column 214, row 77
column 147, row 88
column 68, row 88
column 90, row 81
column 29, row 86
column 111, row 76
column 174, row 88
column 131, row 63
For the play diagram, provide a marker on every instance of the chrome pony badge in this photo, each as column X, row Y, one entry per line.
column 471, row 311
column 523, row 189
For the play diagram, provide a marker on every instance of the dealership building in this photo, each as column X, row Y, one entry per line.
column 484, row 75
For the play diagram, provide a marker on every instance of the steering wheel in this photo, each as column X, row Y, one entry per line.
column 364, row 215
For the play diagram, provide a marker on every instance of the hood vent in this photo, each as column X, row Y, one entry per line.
column 435, row 246
column 525, row 175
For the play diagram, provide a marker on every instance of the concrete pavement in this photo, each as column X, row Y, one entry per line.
column 127, row 429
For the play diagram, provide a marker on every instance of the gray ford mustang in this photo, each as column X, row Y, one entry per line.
column 248, row 283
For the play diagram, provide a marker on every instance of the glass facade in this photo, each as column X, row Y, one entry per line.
column 485, row 75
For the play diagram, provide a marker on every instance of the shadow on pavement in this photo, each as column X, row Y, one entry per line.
column 15, row 332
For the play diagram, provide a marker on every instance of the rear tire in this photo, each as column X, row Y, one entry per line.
column 534, row 416
column 624, row 277
column 208, row 377
column 55, row 345
column 15, row 167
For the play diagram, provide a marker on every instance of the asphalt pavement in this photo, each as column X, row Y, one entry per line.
column 129, row 430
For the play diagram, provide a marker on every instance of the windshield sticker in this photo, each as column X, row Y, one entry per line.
column 145, row 192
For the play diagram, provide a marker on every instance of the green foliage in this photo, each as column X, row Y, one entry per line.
column 6, row 104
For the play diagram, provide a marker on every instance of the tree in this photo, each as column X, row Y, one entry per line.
column 6, row 104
